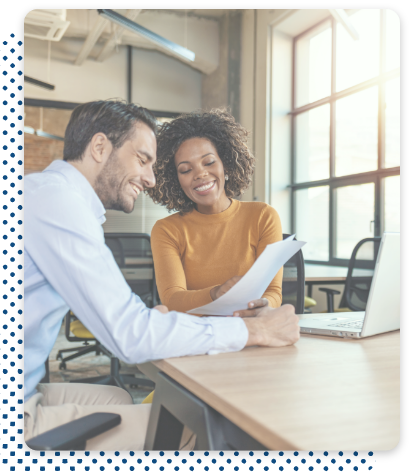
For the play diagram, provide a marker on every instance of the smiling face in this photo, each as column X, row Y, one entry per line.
column 201, row 174
column 128, row 170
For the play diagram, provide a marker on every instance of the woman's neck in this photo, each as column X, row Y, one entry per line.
column 220, row 206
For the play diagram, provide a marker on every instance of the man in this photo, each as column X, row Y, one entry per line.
column 109, row 152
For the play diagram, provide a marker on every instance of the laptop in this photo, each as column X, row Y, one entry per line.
column 382, row 313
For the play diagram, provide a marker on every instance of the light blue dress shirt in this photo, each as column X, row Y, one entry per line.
column 68, row 265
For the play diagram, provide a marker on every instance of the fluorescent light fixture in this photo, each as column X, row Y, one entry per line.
column 150, row 35
column 39, row 83
column 32, row 131
column 343, row 18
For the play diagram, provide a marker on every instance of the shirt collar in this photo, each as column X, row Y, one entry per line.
column 82, row 185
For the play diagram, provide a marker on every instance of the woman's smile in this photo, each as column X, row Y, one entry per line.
column 205, row 188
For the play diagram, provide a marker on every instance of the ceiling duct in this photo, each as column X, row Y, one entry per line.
column 47, row 25
column 148, row 34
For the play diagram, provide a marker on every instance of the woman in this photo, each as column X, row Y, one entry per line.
column 200, row 252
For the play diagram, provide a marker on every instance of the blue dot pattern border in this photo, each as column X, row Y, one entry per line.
column 15, row 456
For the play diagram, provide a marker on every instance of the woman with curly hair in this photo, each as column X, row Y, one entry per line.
column 199, row 253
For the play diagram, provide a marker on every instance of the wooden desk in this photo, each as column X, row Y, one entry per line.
column 320, row 394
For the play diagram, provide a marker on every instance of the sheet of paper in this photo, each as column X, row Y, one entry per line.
column 255, row 282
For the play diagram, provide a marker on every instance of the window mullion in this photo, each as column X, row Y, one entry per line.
column 332, row 148
column 382, row 98
column 379, row 204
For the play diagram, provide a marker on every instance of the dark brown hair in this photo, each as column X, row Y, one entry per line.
column 114, row 118
column 228, row 137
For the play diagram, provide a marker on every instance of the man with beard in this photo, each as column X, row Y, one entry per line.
column 109, row 152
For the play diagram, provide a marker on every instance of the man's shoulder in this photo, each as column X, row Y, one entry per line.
column 46, row 180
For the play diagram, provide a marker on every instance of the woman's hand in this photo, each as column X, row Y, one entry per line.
column 254, row 308
column 161, row 308
column 218, row 291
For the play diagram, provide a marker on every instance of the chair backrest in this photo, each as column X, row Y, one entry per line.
column 293, row 283
column 360, row 273
column 133, row 254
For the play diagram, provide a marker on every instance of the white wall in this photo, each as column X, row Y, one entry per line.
column 91, row 81
column 161, row 82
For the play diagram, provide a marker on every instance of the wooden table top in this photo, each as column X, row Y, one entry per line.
column 323, row 393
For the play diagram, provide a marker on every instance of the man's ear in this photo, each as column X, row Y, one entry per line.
column 100, row 147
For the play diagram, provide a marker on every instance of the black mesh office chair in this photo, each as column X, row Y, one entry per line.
column 132, row 253
column 293, row 283
column 359, row 278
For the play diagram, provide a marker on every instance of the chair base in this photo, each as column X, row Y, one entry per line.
column 116, row 378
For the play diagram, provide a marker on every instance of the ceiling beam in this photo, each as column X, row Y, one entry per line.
column 91, row 40
column 116, row 36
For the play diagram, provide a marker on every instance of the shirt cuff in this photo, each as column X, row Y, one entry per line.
column 230, row 334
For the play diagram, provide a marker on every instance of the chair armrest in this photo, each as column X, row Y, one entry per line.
column 73, row 435
column 329, row 291
column 329, row 295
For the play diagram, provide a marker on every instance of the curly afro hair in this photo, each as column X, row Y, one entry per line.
column 228, row 137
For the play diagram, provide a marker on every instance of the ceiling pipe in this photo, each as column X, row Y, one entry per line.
column 39, row 83
column 164, row 43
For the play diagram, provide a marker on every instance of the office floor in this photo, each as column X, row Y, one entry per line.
column 88, row 366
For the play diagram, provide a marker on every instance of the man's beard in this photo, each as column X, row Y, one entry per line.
column 108, row 186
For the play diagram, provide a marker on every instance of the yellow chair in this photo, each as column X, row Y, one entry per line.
column 115, row 378
column 309, row 302
column 148, row 399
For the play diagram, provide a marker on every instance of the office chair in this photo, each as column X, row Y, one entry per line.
column 357, row 284
column 132, row 253
column 73, row 435
column 293, row 283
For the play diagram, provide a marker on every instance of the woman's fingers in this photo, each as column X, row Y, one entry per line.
column 247, row 313
column 161, row 308
column 255, row 307
column 258, row 303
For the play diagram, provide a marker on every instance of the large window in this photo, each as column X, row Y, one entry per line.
column 346, row 134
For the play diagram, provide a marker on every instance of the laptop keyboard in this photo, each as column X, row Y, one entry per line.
column 352, row 324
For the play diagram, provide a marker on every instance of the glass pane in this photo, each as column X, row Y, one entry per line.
column 312, row 144
column 393, row 123
column 393, row 40
column 357, row 133
column 312, row 222
column 358, row 60
column 355, row 212
column 392, row 189
column 314, row 65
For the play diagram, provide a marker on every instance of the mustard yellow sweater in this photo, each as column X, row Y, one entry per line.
column 194, row 252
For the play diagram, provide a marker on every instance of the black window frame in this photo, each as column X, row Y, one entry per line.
column 377, row 176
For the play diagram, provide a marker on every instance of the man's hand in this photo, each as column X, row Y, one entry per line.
column 273, row 327
column 161, row 308
column 255, row 307
column 218, row 291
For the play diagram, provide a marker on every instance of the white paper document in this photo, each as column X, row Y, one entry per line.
column 255, row 282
